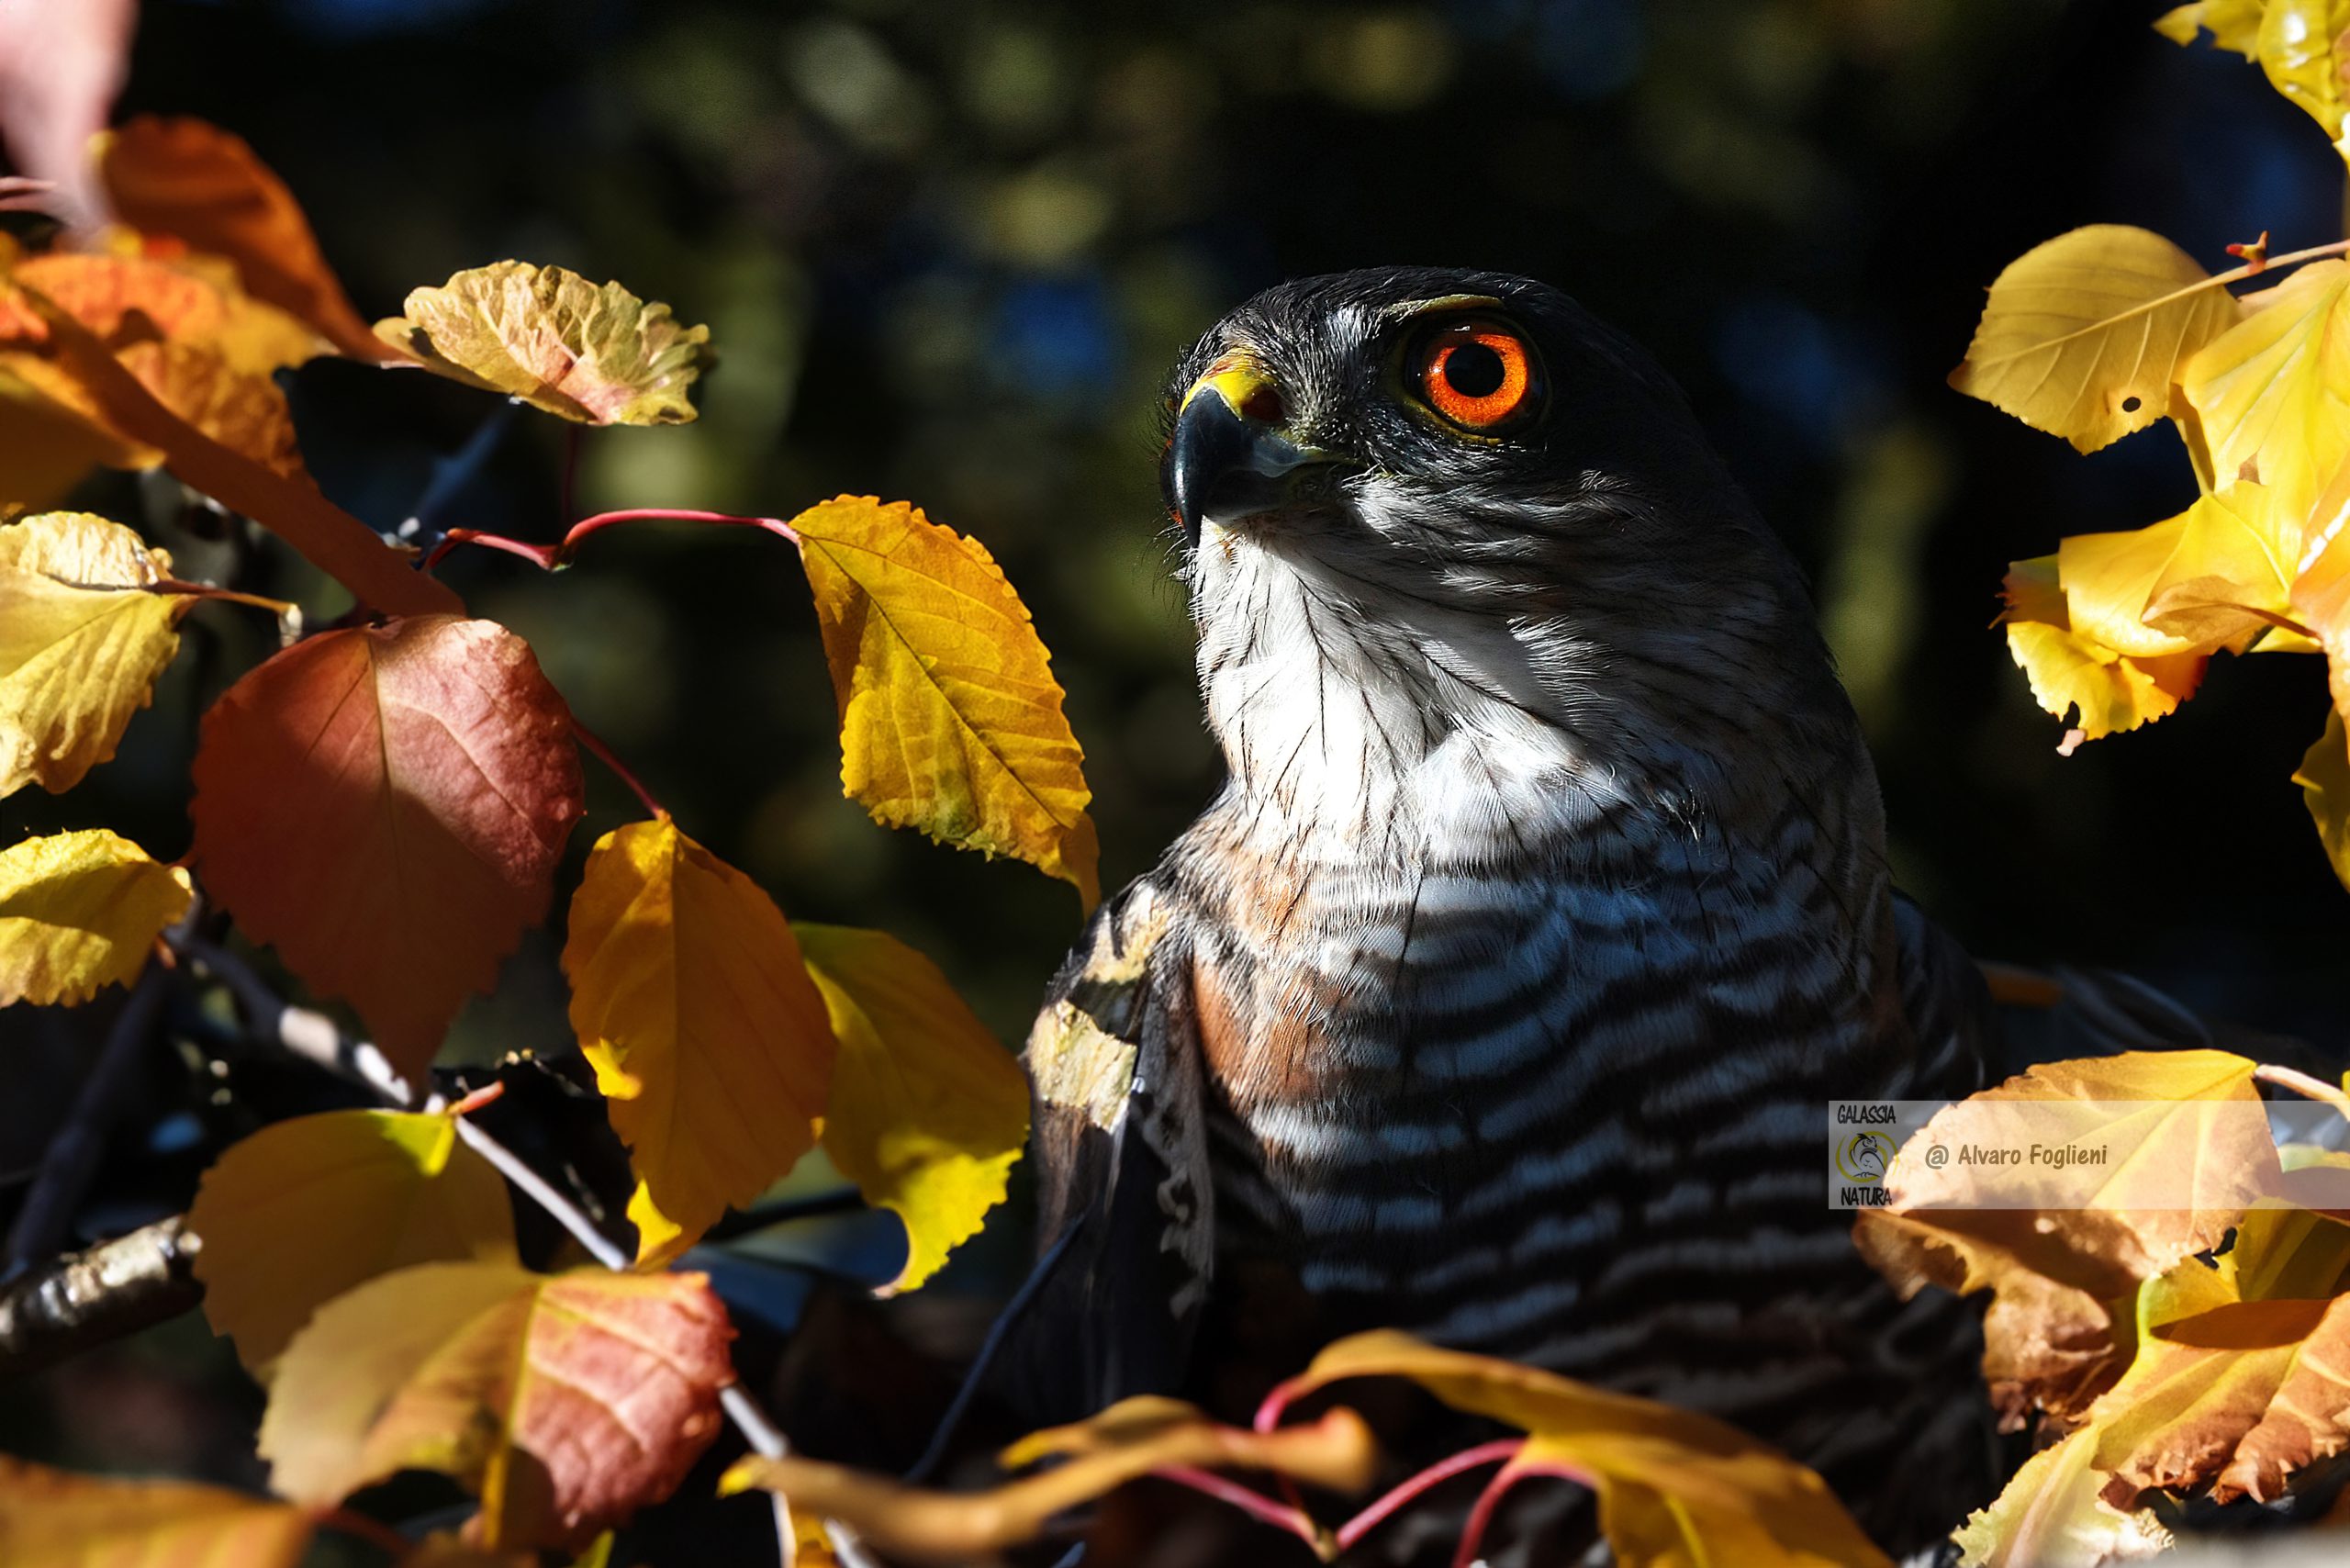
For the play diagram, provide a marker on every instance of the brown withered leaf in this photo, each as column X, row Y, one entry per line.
column 1124, row 1443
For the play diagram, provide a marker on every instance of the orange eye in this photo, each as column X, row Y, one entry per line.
column 1479, row 374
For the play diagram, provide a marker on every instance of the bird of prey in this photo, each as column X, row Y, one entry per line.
column 1499, row 994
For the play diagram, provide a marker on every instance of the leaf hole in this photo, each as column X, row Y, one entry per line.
column 2130, row 405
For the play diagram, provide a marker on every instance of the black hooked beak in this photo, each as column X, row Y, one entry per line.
column 1229, row 461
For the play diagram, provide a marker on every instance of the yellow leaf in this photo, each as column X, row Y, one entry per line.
column 928, row 1111
column 1122, row 1443
column 599, row 356
column 2273, row 393
column 2324, row 779
column 52, row 1518
column 567, row 1401
column 79, row 910
column 2300, row 46
column 303, row 1210
column 2050, row 1516
column 82, row 640
column 47, row 442
column 709, row 1040
column 2112, row 693
column 2233, row 23
column 2210, row 577
column 244, row 412
column 951, row 721
column 2321, row 599
column 1675, row 1488
column 2083, row 335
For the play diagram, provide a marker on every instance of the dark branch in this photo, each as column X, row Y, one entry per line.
column 88, row 1298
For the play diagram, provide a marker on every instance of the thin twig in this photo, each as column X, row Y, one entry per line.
column 935, row 1453
column 72, row 1155
column 1500, row 1450
column 568, row 1215
column 309, row 1035
column 594, row 747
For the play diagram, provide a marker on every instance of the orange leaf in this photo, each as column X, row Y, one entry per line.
column 951, row 721
column 1122, row 1443
column 136, row 299
column 303, row 1210
column 567, row 1401
column 708, row 1039
column 386, row 805
column 332, row 539
column 52, row 1518
column 1675, row 1487
column 247, row 414
column 197, row 182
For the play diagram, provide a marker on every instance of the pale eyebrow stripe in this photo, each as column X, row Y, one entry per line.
column 1405, row 308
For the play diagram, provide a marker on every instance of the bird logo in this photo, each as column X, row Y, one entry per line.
column 1865, row 1157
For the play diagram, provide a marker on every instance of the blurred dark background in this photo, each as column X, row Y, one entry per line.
column 947, row 252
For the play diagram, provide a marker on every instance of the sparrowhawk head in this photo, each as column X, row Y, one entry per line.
column 1447, row 504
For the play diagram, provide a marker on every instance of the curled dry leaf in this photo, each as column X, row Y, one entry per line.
column 51, row 1519
column 204, row 186
column 928, row 1111
column 599, row 356
column 2083, row 335
column 951, row 720
column 304, row 1210
column 567, row 1401
column 1675, row 1487
column 2051, row 1514
column 385, row 805
column 82, row 640
column 2186, row 1121
column 1124, row 1443
column 709, row 1040
column 79, row 910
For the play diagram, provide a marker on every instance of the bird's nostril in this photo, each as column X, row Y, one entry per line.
column 1263, row 405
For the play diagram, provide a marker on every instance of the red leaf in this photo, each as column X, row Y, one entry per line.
column 385, row 805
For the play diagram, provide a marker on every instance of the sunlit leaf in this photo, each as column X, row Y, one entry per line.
column 1675, row 1487
column 2321, row 601
column 2273, row 393
column 2324, row 779
column 2051, row 1514
column 378, row 575
column 125, row 300
column 2111, row 692
column 79, row 910
column 2233, row 23
column 709, row 1040
column 2212, row 577
column 928, row 1111
column 82, row 640
column 2299, row 46
column 385, row 805
column 195, row 181
column 600, row 356
column 47, row 442
column 951, row 721
column 566, row 1401
column 1122, row 1443
column 2083, row 335
column 303, row 1210
column 52, row 1518
column 246, row 413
